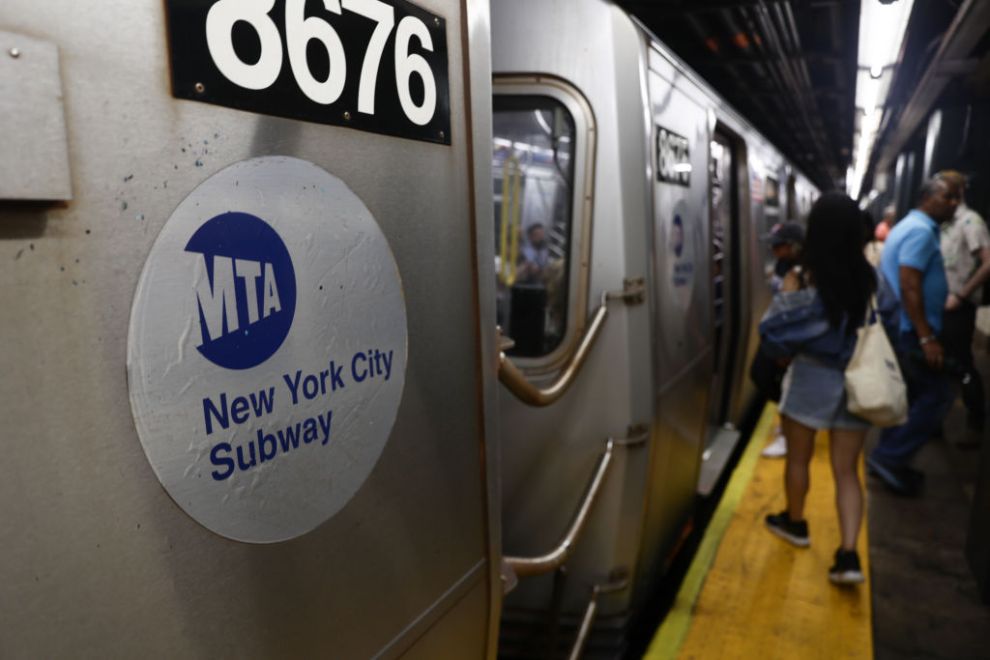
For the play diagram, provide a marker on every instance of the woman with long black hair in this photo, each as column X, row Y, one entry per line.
column 812, row 323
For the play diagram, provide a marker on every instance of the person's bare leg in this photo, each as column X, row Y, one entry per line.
column 800, row 448
column 845, row 447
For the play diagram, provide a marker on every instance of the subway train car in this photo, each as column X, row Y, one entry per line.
column 262, row 394
column 631, row 207
column 243, row 394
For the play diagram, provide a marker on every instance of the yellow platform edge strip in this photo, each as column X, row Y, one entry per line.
column 666, row 644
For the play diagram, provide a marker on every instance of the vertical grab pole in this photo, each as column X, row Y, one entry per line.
column 508, row 244
column 514, row 226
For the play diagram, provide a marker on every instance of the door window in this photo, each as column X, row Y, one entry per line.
column 533, row 172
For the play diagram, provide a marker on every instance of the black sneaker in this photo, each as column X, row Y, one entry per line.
column 793, row 532
column 846, row 568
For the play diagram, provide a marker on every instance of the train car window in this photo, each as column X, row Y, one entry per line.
column 771, row 216
column 533, row 172
column 772, row 193
column 793, row 213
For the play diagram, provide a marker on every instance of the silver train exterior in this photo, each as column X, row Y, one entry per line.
column 656, row 197
column 99, row 560
column 96, row 559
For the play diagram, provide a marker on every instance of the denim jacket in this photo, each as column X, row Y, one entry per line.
column 796, row 323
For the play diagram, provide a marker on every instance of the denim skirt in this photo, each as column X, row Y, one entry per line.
column 814, row 394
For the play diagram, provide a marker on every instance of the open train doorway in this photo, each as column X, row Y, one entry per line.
column 723, row 194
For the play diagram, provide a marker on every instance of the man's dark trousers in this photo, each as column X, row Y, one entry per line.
column 958, row 334
column 929, row 398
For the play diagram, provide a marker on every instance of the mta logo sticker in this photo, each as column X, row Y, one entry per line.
column 246, row 293
column 266, row 354
column 677, row 235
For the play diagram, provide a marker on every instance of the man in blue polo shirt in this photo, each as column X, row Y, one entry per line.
column 912, row 265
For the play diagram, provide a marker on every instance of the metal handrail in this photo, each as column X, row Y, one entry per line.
column 516, row 381
column 525, row 566
column 589, row 615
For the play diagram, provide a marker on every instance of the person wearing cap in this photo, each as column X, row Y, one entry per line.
column 786, row 241
column 965, row 245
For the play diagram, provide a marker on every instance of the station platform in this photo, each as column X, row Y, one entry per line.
column 748, row 594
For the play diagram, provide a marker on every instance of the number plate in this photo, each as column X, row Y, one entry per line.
column 673, row 157
column 374, row 65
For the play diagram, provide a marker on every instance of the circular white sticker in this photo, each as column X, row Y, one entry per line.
column 267, row 349
column 680, row 260
column 678, row 272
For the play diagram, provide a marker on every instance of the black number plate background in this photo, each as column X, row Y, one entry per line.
column 192, row 65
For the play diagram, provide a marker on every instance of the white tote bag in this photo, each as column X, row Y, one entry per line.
column 875, row 388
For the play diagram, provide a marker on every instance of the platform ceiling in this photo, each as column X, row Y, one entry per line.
column 789, row 66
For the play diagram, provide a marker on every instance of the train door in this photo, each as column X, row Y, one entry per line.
column 572, row 252
column 544, row 138
column 681, row 302
column 723, row 205
column 243, row 398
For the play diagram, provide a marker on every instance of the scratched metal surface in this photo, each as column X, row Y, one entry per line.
column 95, row 558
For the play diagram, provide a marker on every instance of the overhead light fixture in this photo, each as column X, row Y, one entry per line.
column 882, row 24
column 881, row 31
column 543, row 122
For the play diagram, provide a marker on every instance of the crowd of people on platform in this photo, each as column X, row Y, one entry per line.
column 922, row 278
